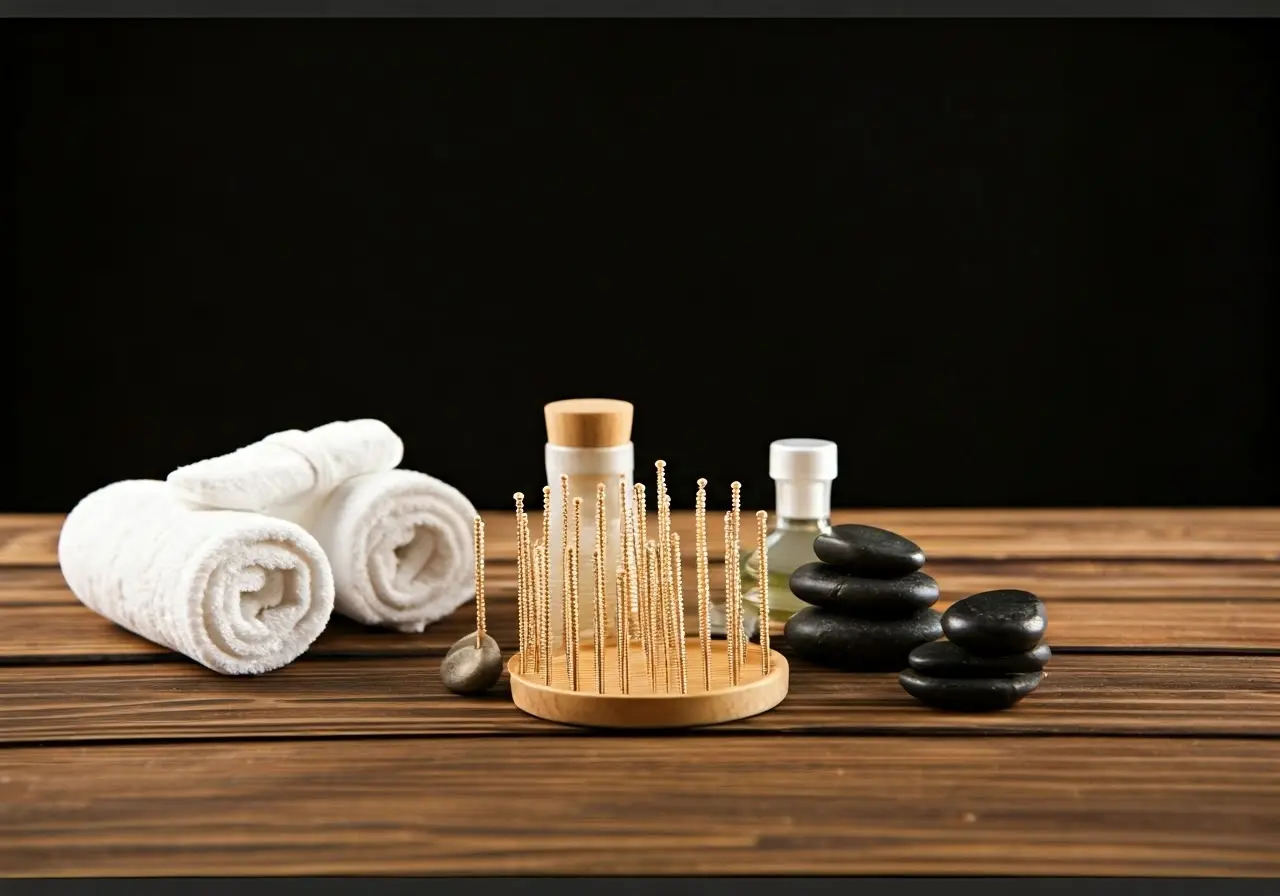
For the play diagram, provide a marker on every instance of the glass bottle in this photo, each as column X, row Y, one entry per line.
column 588, row 442
column 803, row 470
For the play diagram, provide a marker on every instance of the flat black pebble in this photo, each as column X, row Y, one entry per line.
column 868, row 550
column 943, row 659
column 993, row 623
column 969, row 694
column 864, row 645
column 831, row 588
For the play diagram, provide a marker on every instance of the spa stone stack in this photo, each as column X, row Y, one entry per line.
column 992, row 658
column 871, row 602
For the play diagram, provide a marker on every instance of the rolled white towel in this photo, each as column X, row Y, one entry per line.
column 399, row 541
column 285, row 473
column 400, row 546
column 240, row 593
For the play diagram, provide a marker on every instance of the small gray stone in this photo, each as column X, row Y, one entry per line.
column 860, row 645
column 995, row 623
column 969, row 694
column 467, row 669
column 942, row 659
column 868, row 551
column 833, row 589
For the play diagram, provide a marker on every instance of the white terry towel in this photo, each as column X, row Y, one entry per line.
column 239, row 592
column 399, row 541
column 400, row 545
column 287, row 473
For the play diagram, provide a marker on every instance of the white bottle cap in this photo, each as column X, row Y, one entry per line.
column 807, row 459
column 803, row 470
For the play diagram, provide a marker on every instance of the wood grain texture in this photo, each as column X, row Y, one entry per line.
column 30, row 539
column 1130, row 695
column 875, row 805
column 41, row 621
column 994, row 534
column 1136, row 756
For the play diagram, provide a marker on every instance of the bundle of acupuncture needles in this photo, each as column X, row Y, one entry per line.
column 638, row 668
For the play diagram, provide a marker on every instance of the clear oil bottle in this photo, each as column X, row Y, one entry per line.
column 803, row 470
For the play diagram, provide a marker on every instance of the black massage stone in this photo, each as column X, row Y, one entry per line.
column 868, row 551
column 860, row 645
column 942, row 659
column 996, row 623
column 836, row 590
column 969, row 694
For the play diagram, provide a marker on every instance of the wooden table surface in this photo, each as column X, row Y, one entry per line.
column 1152, row 747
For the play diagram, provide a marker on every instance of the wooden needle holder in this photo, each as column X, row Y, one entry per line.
column 639, row 667
column 647, row 706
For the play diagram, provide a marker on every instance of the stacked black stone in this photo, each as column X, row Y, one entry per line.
column 992, row 658
column 871, row 603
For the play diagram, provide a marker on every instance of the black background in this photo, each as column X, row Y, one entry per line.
column 1001, row 263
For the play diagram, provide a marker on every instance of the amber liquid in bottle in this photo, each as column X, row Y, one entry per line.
column 803, row 470
column 790, row 547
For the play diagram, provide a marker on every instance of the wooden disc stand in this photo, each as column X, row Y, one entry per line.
column 658, row 703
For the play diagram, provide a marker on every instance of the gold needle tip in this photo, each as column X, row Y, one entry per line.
column 761, row 514
column 640, row 487
column 519, row 496
column 660, row 464
column 702, row 483
column 735, row 484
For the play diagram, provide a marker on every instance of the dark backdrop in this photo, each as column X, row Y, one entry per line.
column 1001, row 263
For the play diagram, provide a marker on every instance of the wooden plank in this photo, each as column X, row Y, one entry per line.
column 29, row 539
column 26, row 586
column 75, row 634
column 41, row 621
column 1099, row 533
column 1129, row 580
column 72, row 633
column 1135, row 534
column 629, row 806
column 1052, row 579
column 1131, row 695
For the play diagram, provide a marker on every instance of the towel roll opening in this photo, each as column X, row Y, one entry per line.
column 405, row 543
column 262, row 596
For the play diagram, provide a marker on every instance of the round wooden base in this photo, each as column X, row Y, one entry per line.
column 650, row 705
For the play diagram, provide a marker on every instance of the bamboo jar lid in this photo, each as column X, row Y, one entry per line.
column 589, row 422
